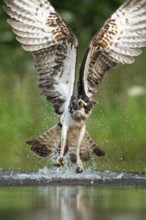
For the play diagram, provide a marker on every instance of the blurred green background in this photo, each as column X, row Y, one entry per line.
column 118, row 122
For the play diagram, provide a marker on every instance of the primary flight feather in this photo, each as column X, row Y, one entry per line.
column 41, row 30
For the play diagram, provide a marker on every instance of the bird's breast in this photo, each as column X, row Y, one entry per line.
column 76, row 120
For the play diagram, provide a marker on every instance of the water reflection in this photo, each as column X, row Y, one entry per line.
column 70, row 203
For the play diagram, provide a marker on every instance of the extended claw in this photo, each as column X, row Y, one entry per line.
column 80, row 167
column 59, row 162
column 79, row 170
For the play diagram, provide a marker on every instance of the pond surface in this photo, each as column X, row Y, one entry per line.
column 55, row 176
column 72, row 202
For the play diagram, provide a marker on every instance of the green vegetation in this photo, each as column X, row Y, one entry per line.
column 118, row 122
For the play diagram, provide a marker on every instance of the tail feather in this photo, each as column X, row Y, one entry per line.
column 49, row 142
column 93, row 146
column 39, row 148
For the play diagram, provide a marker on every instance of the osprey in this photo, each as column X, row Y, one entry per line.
column 41, row 30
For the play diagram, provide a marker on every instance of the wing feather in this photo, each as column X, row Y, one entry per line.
column 40, row 29
column 118, row 41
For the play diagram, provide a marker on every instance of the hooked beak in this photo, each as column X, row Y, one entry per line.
column 82, row 103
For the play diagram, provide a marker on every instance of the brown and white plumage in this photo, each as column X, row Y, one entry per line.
column 118, row 41
column 41, row 30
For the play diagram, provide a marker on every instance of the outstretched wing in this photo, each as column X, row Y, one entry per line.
column 40, row 29
column 118, row 41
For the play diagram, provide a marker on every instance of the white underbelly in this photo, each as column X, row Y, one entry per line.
column 66, row 119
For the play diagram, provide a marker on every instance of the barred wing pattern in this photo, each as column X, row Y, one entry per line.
column 40, row 29
column 118, row 41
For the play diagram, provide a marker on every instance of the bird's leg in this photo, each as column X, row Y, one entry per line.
column 79, row 164
column 64, row 130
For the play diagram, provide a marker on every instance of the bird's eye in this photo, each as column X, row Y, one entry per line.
column 87, row 108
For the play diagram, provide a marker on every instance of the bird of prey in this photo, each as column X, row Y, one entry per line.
column 41, row 30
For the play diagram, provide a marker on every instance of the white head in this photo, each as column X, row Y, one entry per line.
column 79, row 109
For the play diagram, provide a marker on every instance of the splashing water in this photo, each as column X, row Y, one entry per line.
column 67, row 176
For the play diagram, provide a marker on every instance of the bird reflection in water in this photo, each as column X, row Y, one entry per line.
column 72, row 203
